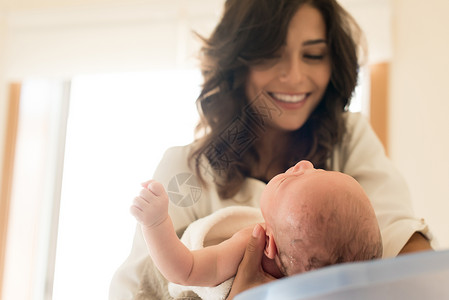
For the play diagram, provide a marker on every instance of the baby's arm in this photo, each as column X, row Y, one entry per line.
column 150, row 208
column 215, row 264
column 206, row 267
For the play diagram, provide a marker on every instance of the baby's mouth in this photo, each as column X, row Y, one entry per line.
column 289, row 98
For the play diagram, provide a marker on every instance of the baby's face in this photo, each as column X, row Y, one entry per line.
column 301, row 184
column 301, row 203
column 299, row 179
column 286, row 202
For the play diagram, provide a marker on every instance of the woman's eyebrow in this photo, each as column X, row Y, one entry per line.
column 314, row 42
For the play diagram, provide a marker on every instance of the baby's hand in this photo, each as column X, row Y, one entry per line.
column 150, row 208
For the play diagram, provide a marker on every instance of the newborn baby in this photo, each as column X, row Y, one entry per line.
column 313, row 218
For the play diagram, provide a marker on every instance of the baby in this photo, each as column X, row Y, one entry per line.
column 313, row 218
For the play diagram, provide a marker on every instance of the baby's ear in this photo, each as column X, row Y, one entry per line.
column 270, row 246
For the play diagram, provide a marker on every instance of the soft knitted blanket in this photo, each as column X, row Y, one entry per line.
column 212, row 230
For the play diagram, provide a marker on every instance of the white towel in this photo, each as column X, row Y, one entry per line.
column 212, row 230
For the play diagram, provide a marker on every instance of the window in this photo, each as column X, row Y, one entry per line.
column 360, row 101
column 118, row 128
column 36, row 184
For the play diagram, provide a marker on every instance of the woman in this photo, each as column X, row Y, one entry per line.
column 279, row 75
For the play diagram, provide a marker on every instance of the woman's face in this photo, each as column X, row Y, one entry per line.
column 296, row 78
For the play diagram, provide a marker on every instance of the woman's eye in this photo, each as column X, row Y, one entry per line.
column 314, row 57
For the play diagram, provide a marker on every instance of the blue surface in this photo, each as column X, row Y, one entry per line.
column 423, row 275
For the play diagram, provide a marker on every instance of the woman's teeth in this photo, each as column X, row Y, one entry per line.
column 289, row 98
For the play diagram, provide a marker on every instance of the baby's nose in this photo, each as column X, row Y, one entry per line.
column 303, row 165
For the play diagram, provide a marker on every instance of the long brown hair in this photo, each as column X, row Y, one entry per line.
column 250, row 31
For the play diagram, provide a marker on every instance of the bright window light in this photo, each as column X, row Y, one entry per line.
column 360, row 99
column 118, row 128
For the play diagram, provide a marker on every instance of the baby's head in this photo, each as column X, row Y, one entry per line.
column 316, row 218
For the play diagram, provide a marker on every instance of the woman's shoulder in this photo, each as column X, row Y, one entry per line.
column 359, row 143
column 178, row 154
column 178, row 150
column 175, row 160
column 358, row 129
column 353, row 119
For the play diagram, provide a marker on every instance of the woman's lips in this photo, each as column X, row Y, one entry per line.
column 289, row 101
column 289, row 98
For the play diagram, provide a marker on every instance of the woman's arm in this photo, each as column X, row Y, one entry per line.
column 416, row 243
column 362, row 156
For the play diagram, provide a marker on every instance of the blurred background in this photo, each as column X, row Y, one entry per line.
column 93, row 91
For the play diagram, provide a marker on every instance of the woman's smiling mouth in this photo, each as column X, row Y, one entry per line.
column 289, row 98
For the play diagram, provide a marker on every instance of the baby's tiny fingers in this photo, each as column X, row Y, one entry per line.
column 135, row 210
column 156, row 187
column 140, row 202
column 147, row 195
column 146, row 183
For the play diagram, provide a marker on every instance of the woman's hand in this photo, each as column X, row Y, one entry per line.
column 250, row 272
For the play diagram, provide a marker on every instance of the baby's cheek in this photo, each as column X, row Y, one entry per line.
column 292, row 266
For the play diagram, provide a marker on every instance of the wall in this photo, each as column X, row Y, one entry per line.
column 374, row 18
column 420, row 106
column 3, row 107
column 63, row 41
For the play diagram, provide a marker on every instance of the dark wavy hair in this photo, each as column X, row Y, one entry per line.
column 248, row 32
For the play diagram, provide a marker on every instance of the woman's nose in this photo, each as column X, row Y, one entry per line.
column 291, row 71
